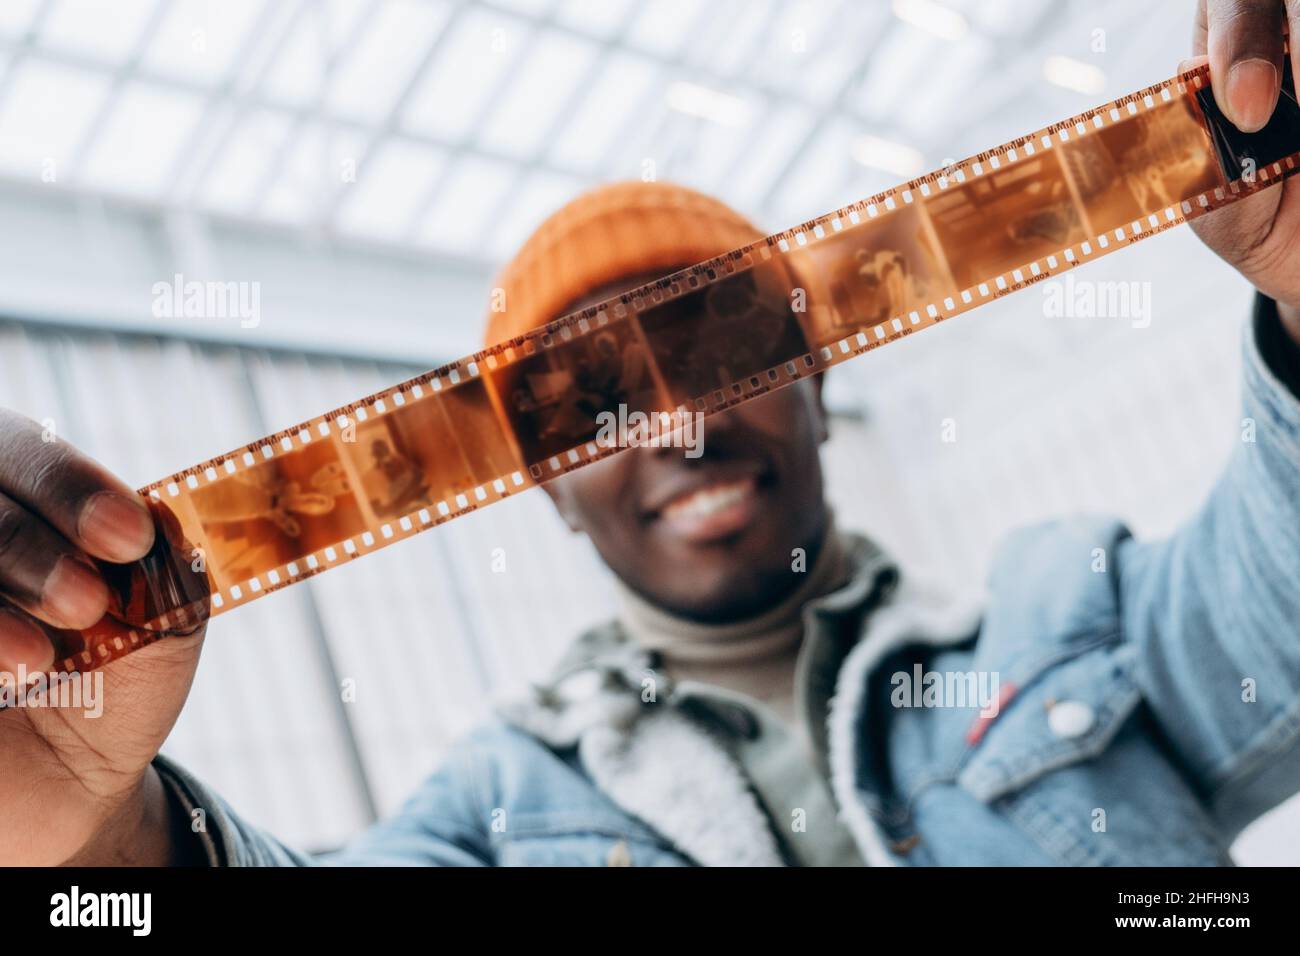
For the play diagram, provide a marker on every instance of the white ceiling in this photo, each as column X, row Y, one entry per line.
column 450, row 128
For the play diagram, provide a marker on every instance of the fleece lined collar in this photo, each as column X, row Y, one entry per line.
column 606, row 700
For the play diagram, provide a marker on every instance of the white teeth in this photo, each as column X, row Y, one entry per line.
column 708, row 501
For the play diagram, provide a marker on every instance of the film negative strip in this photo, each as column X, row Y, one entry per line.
column 456, row 439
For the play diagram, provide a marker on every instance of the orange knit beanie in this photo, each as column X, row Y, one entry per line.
column 609, row 233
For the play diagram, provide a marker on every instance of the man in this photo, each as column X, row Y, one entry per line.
column 744, row 708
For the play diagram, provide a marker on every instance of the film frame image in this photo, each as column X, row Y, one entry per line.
column 1031, row 201
column 884, row 267
column 1150, row 159
column 437, row 448
column 710, row 339
column 274, row 511
column 551, row 399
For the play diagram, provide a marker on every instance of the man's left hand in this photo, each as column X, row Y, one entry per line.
column 1242, row 40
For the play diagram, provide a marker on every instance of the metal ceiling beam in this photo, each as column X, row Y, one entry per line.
column 300, row 115
column 119, row 75
column 467, row 143
column 208, row 131
column 755, row 134
column 392, row 121
column 11, row 186
column 314, row 110
column 838, row 109
column 995, row 91
column 654, row 96
column 24, row 46
column 703, row 74
column 581, row 90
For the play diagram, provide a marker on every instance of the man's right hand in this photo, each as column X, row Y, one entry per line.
column 76, row 787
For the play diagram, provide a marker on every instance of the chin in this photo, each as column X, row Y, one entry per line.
column 723, row 595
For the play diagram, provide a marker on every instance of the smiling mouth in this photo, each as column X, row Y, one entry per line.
column 720, row 509
column 709, row 500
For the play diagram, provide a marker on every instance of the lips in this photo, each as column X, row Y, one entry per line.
column 709, row 500
column 712, row 510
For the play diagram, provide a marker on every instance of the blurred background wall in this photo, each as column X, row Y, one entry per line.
column 368, row 163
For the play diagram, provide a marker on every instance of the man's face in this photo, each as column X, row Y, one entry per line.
column 710, row 538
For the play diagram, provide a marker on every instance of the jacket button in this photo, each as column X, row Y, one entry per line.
column 1070, row 718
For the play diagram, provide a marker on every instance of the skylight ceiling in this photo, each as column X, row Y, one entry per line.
column 453, row 127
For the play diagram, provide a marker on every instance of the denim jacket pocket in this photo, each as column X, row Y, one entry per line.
column 1065, row 712
column 1073, row 762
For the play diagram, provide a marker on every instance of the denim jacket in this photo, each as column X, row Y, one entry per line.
column 1149, row 707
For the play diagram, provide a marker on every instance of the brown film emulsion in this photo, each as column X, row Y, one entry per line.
column 1008, row 217
column 557, row 398
column 266, row 515
column 315, row 502
column 887, row 268
column 1149, row 160
column 437, row 449
column 700, row 340
column 710, row 343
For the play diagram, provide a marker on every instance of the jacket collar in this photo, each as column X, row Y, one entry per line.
column 608, row 649
column 919, row 612
column 601, row 701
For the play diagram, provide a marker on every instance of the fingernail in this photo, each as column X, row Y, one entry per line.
column 74, row 595
column 23, row 643
column 1252, row 93
column 116, row 527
